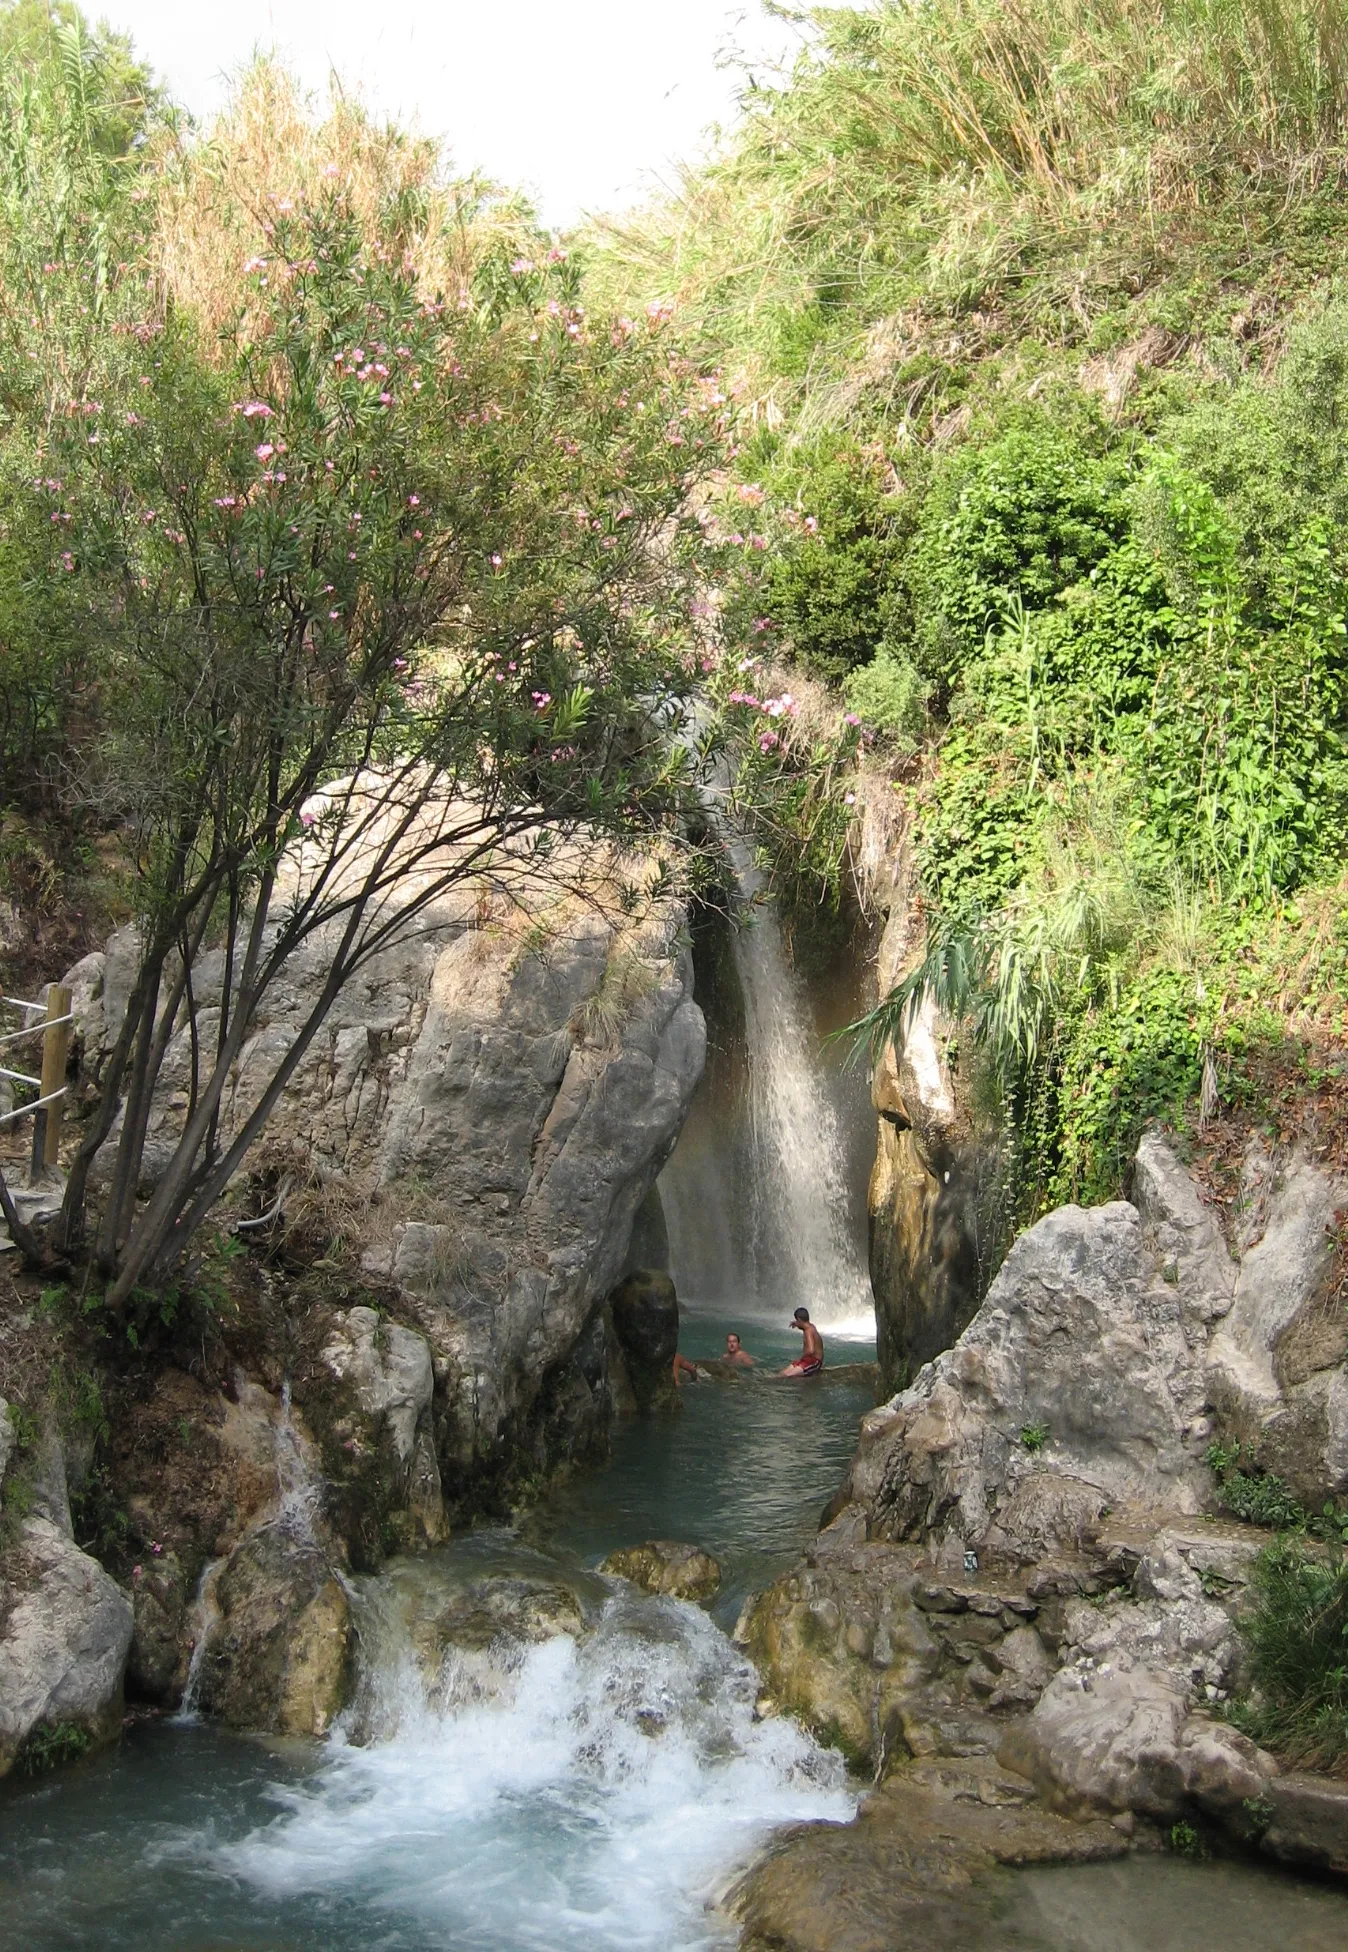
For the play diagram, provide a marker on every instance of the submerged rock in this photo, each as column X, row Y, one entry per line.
column 65, row 1628
column 681, row 1572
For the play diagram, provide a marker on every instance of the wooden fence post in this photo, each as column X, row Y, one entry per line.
column 55, row 1050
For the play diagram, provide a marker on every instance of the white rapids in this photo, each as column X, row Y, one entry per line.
column 592, row 1794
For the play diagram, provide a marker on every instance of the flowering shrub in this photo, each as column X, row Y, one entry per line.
column 374, row 531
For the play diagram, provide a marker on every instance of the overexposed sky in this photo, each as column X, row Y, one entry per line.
column 582, row 104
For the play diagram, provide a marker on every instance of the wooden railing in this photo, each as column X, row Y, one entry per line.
column 53, row 1027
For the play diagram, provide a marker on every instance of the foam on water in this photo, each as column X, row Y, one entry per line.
column 593, row 1794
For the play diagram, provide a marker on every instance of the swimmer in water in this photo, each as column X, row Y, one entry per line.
column 811, row 1358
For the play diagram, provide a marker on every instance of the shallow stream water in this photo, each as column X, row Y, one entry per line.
column 587, row 1794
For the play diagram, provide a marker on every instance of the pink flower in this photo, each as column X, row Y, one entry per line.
column 264, row 451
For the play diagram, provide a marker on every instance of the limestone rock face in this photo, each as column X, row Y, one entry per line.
column 493, row 1094
column 934, row 1222
column 682, row 1572
column 65, row 1628
column 1277, row 1366
column 1081, row 1345
column 377, row 1431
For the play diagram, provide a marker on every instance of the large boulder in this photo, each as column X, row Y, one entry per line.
column 490, row 1099
column 1076, row 1369
column 279, row 1648
column 65, row 1628
column 1125, row 1740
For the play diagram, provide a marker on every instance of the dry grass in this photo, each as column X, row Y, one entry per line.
column 270, row 153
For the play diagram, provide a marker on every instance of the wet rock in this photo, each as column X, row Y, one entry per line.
column 645, row 1313
column 1307, row 1821
column 370, row 1403
column 520, row 1609
column 65, row 1628
column 279, row 1653
column 161, row 1596
column 916, row 1870
column 682, row 1572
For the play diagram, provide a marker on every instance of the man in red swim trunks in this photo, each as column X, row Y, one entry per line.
column 811, row 1358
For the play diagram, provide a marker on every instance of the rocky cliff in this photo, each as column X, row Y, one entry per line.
column 447, row 1192
column 1027, row 1599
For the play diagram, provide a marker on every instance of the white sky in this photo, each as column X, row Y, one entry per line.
column 582, row 104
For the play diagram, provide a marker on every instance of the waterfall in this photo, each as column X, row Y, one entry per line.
column 298, row 1489
column 802, row 1218
column 205, row 1614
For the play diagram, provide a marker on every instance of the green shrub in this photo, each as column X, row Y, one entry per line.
column 890, row 696
column 1297, row 1634
column 831, row 585
column 1024, row 517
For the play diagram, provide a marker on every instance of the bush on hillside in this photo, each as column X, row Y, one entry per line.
column 890, row 695
column 1021, row 519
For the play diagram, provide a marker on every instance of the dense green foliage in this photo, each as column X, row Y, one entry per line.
column 1036, row 309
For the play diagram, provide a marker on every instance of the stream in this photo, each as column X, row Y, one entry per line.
column 592, row 1792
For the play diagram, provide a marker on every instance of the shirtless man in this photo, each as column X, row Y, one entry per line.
column 811, row 1358
column 734, row 1352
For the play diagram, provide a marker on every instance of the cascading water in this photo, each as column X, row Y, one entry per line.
column 803, row 1232
column 578, row 1793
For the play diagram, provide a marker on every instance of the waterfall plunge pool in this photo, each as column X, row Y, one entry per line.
column 587, row 1794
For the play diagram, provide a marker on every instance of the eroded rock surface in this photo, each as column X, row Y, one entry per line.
column 682, row 1572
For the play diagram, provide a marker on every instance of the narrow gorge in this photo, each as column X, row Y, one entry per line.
column 674, row 983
